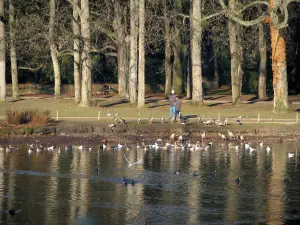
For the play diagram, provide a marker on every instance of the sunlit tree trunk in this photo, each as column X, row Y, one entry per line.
column 2, row 54
column 278, row 46
column 141, row 72
column 119, row 27
column 76, row 52
column 262, row 89
column 55, row 62
column 236, row 54
column 196, row 52
column 13, row 54
column 133, row 52
column 168, row 51
column 189, row 78
column 86, row 83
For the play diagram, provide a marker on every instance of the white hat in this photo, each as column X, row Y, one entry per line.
column 172, row 91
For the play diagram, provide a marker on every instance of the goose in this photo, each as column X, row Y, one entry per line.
column 177, row 172
column 1, row 148
column 30, row 150
column 223, row 136
column 10, row 149
column 252, row 149
column 291, row 155
column 197, row 146
column 208, row 122
column 80, row 147
column 162, row 120
column 247, row 146
column 268, row 148
column 207, row 148
column 90, row 148
column 108, row 114
column 261, row 144
column 116, row 114
column 242, row 138
column 120, row 146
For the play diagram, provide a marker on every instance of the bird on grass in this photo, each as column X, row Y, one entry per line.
column 238, row 122
column 199, row 120
column 139, row 121
column 150, row 119
column 203, row 135
column 162, row 120
column 172, row 136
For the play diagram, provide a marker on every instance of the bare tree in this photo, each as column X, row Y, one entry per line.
column 141, row 71
column 13, row 54
column 53, row 49
column 133, row 52
column 76, row 52
column 2, row 54
column 196, row 51
column 168, row 51
column 86, row 83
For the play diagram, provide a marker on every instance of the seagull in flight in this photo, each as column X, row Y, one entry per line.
column 131, row 164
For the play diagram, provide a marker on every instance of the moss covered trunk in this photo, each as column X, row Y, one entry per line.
column 278, row 47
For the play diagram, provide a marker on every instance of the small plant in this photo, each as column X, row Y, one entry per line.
column 18, row 117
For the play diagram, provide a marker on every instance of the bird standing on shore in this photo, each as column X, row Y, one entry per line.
column 151, row 120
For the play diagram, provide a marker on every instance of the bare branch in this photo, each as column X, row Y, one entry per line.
column 31, row 69
column 253, row 4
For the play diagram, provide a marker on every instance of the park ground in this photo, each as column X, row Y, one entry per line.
column 257, row 116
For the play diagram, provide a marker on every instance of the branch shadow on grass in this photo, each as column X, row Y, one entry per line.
column 124, row 101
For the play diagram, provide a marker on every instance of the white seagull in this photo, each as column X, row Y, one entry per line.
column 131, row 164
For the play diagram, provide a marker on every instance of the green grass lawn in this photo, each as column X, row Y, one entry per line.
column 156, row 108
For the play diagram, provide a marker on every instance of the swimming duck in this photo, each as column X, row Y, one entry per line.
column 51, row 148
column 238, row 180
column 128, row 181
column 268, row 148
column 291, row 155
column 177, row 172
column 12, row 212
column 261, row 144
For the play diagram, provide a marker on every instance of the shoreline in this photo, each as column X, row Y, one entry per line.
column 94, row 132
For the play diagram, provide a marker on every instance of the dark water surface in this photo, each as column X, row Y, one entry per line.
column 55, row 187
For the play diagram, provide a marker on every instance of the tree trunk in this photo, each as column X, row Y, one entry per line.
column 189, row 79
column 133, row 52
column 77, row 54
column 278, row 46
column 177, row 52
column 119, row 27
column 13, row 54
column 86, row 83
column 57, row 79
column 141, row 85
column 168, row 52
column 2, row 55
column 262, row 88
column 236, row 53
column 196, row 52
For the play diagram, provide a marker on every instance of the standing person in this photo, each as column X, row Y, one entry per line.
column 177, row 106
column 172, row 104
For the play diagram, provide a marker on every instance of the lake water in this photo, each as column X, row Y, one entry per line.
column 65, row 188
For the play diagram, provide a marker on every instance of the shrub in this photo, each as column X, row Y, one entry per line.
column 17, row 117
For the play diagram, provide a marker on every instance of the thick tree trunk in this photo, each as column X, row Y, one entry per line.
column 177, row 52
column 86, row 83
column 168, row 52
column 196, row 52
column 77, row 54
column 2, row 54
column 57, row 79
column 141, row 85
column 236, row 53
column 119, row 27
column 262, row 88
column 278, row 46
column 133, row 52
column 13, row 54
